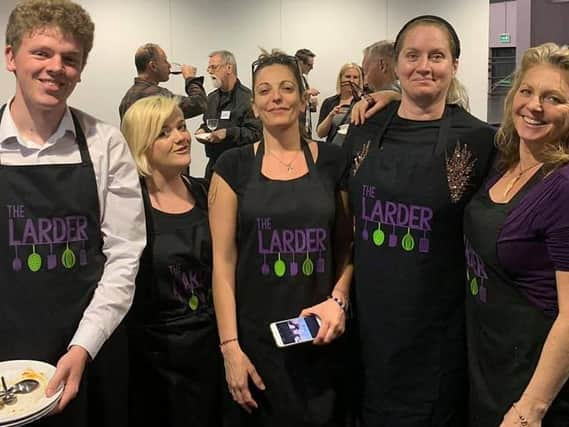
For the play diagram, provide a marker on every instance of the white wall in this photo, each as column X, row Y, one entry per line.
column 336, row 30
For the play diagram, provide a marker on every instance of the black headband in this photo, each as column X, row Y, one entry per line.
column 437, row 19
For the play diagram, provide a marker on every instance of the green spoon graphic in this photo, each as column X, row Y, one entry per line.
column 194, row 302
column 68, row 257
column 474, row 286
column 279, row 267
column 307, row 266
column 408, row 243
column 378, row 236
column 34, row 260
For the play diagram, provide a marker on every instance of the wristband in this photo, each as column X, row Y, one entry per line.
column 222, row 343
column 370, row 100
column 523, row 420
column 342, row 303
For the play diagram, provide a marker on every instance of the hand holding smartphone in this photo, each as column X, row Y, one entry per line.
column 295, row 331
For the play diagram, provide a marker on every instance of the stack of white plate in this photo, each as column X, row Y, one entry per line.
column 31, row 406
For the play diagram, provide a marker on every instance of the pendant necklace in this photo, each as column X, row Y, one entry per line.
column 515, row 179
column 288, row 166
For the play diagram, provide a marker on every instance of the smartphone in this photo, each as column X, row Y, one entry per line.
column 295, row 331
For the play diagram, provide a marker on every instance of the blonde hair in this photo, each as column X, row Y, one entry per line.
column 555, row 153
column 345, row 68
column 141, row 125
column 457, row 93
column 39, row 15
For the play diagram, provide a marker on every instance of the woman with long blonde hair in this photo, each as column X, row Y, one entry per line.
column 517, row 249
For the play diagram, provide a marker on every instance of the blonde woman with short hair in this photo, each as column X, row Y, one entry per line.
column 174, row 358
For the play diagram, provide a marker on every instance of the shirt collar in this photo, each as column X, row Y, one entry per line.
column 9, row 132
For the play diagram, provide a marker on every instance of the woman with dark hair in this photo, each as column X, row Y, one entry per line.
column 416, row 164
column 517, row 249
column 281, row 240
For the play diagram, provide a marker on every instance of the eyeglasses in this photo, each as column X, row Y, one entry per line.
column 281, row 59
column 213, row 68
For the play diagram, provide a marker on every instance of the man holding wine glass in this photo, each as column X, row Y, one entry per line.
column 229, row 117
column 153, row 67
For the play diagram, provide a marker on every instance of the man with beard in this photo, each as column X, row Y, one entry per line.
column 153, row 67
column 230, row 104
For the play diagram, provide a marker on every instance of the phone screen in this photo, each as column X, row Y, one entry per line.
column 298, row 330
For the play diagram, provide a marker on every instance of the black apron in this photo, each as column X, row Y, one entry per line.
column 505, row 331
column 408, row 265
column 285, row 265
column 53, row 261
column 175, row 365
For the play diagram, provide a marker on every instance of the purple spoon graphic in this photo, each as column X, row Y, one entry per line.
column 16, row 262
column 293, row 266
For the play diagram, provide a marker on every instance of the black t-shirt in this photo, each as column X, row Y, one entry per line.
column 235, row 166
column 165, row 222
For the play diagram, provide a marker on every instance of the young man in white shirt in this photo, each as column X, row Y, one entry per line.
column 72, row 224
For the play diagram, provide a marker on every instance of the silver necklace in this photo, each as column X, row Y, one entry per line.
column 288, row 166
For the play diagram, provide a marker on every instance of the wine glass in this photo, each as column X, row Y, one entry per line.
column 175, row 68
column 211, row 124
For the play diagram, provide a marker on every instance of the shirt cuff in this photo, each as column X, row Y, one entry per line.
column 90, row 337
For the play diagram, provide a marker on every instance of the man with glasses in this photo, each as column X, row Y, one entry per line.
column 305, row 59
column 153, row 67
column 230, row 105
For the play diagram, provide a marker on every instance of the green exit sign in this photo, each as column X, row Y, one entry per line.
column 505, row 38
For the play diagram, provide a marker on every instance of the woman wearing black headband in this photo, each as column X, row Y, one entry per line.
column 416, row 164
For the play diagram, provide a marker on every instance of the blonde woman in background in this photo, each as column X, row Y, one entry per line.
column 335, row 110
column 174, row 358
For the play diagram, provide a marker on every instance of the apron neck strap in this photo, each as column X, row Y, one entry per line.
column 443, row 131
column 81, row 140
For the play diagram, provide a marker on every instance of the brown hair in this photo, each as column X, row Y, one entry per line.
column 71, row 19
column 278, row 57
column 556, row 153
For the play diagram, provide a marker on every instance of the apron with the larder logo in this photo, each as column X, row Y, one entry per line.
column 51, row 256
column 408, row 265
column 285, row 265
column 505, row 331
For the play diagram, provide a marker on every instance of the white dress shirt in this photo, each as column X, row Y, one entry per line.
column 122, row 216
